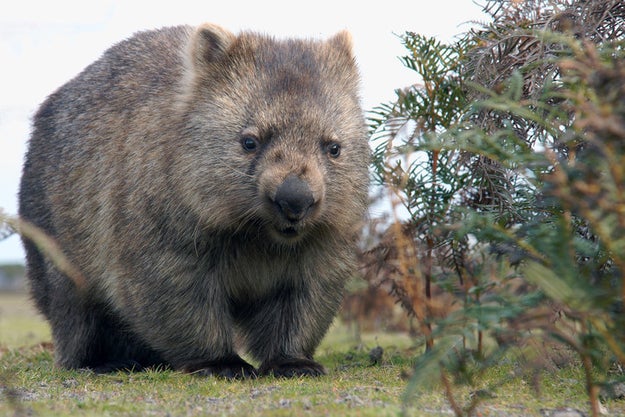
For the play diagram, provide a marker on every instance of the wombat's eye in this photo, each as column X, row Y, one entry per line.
column 249, row 143
column 333, row 149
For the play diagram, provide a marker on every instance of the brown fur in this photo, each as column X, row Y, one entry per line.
column 210, row 187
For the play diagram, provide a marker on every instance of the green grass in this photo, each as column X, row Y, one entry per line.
column 20, row 325
column 31, row 385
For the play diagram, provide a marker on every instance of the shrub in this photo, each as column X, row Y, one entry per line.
column 506, row 168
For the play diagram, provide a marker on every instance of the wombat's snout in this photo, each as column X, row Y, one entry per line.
column 294, row 199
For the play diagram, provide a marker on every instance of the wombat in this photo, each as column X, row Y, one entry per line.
column 210, row 187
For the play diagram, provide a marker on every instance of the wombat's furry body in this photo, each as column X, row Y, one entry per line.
column 210, row 188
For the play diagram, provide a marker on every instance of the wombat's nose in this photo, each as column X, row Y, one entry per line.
column 294, row 198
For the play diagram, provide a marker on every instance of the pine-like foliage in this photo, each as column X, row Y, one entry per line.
column 506, row 166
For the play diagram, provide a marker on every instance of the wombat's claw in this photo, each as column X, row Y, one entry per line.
column 227, row 369
column 292, row 368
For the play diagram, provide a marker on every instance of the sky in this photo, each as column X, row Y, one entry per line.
column 43, row 44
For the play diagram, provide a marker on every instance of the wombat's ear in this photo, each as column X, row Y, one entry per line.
column 208, row 44
column 343, row 42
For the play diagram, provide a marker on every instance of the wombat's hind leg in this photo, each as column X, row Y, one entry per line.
column 128, row 356
column 292, row 367
column 87, row 335
column 115, row 348
column 229, row 368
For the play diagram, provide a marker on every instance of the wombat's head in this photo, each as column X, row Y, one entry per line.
column 276, row 137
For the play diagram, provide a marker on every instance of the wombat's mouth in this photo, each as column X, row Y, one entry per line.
column 289, row 232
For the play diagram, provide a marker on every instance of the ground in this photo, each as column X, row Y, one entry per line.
column 354, row 386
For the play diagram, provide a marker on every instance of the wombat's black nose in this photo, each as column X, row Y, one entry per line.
column 294, row 198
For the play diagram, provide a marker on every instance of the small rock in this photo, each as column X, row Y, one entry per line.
column 603, row 410
column 351, row 400
column 258, row 392
column 213, row 400
column 613, row 391
column 482, row 394
column 70, row 383
column 375, row 356
column 562, row 412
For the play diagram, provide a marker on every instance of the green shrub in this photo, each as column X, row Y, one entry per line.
column 507, row 162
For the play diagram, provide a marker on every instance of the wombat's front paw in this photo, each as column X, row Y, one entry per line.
column 290, row 368
column 228, row 368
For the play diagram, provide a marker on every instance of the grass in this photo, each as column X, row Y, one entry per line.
column 20, row 325
column 31, row 385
